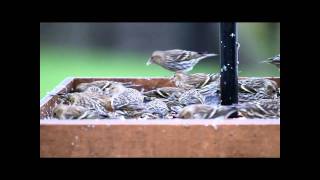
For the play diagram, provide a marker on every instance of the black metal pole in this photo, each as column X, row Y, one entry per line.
column 229, row 63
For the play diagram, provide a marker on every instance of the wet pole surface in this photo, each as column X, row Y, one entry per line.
column 228, row 62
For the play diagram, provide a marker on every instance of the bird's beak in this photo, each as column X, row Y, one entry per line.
column 149, row 62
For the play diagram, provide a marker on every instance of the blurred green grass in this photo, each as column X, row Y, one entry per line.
column 57, row 63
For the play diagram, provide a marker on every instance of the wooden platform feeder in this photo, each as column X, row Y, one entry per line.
column 235, row 137
column 154, row 138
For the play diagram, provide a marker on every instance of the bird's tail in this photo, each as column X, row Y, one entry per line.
column 205, row 56
column 275, row 62
column 210, row 55
column 266, row 61
column 271, row 60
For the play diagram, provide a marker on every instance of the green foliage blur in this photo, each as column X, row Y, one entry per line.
column 60, row 62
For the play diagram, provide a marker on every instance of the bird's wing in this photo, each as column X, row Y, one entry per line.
column 198, row 79
column 181, row 55
column 246, row 88
column 121, row 102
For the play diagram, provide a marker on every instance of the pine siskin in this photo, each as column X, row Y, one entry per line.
column 202, row 111
column 125, row 98
column 89, row 101
column 212, row 99
column 130, row 114
column 248, row 85
column 157, row 107
column 94, row 89
column 164, row 92
column 173, row 104
column 274, row 60
column 246, row 97
column 196, row 111
column 255, row 85
column 62, row 111
column 100, row 84
column 211, row 93
column 177, row 60
column 192, row 96
column 175, row 109
column 197, row 80
column 115, row 89
column 103, row 84
column 172, row 101
column 263, row 108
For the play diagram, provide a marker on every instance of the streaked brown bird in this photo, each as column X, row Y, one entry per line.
column 274, row 60
column 263, row 108
column 246, row 97
column 102, row 84
column 130, row 114
column 125, row 98
column 250, row 89
column 164, row 92
column 192, row 96
column 202, row 111
column 173, row 101
column 94, row 89
column 208, row 85
column 177, row 60
column 62, row 111
column 174, row 110
column 87, row 100
column 255, row 85
column 157, row 107
column 115, row 89
column 197, row 80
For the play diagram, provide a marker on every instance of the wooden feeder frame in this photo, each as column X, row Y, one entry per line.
column 154, row 138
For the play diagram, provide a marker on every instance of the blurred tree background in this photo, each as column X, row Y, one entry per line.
column 122, row 49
